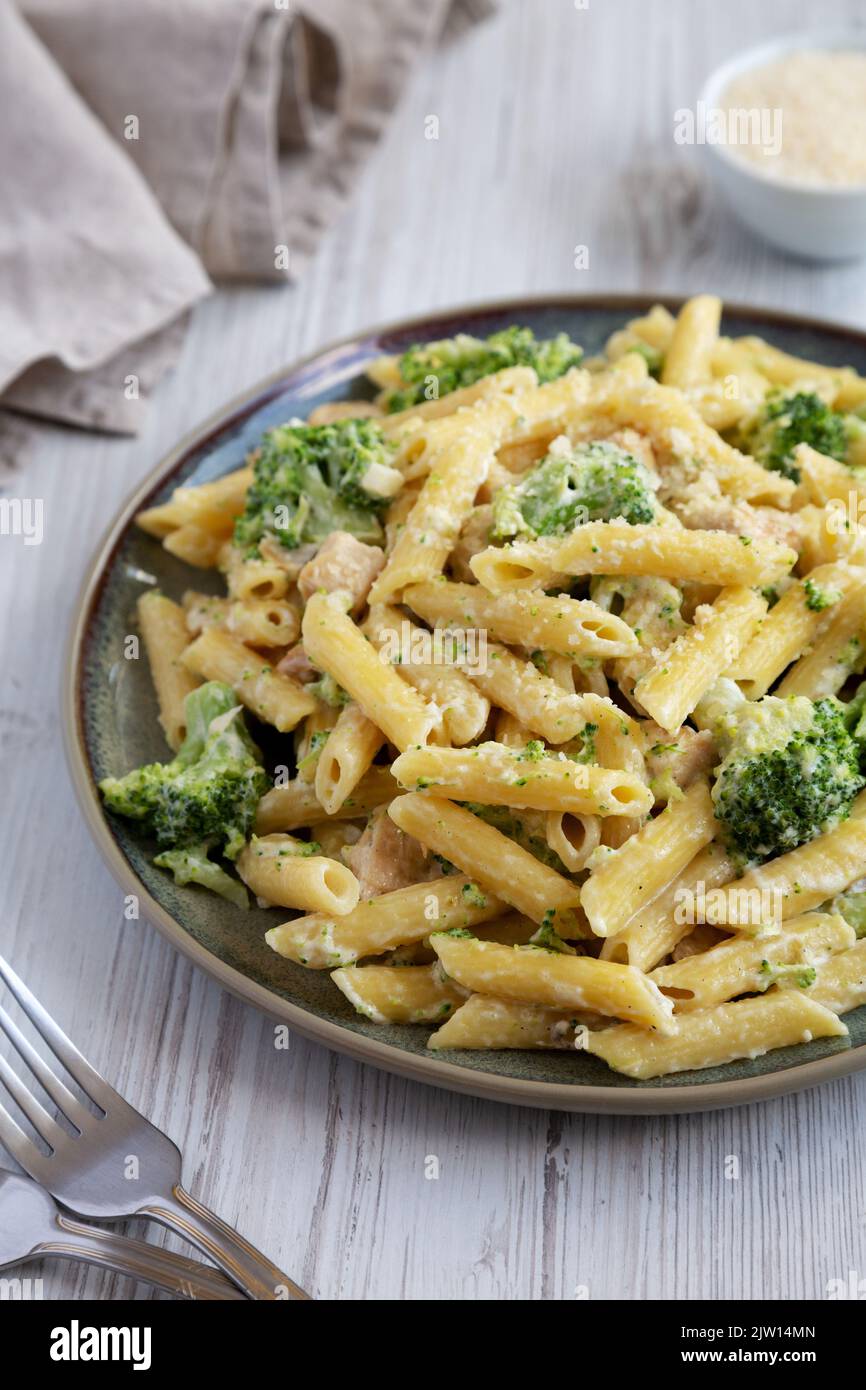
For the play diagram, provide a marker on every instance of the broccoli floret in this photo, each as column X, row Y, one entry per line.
column 329, row 692
column 193, row 865
column 432, row 370
column 795, row 976
column 203, row 799
column 855, row 714
column 473, row 895
column 818, row 598
column 310, row 480
column 786, row 421
column 653, row 357
column 852, row 906
column 574, row 485
column 548, row 939
column 789, row 772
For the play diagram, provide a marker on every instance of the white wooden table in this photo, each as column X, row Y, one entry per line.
column 555, row 131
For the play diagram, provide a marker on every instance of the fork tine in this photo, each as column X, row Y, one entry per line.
column 50, row 1083
column 40, row 1119
column 66, row 1052
column 22, row 1148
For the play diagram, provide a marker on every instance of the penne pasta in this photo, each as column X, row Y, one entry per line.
column 567, row 626
column 274, row 698
column 335, row 644
column 711, row 1037
column 615, row 547
column 499, row 776
column 407, row 915
column 746, row 965
column 533, row 974
column 639, row 870
column 399, row 993
column 163, row 631
column 278, row 869
column 683, row 674
column 491, row 859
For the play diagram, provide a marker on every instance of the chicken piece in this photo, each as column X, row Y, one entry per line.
column 296, row 663
column 342, row 563
column 676, row 760
column 386, row 858
column 292, row 561
column 705, row 513
column 473, row 538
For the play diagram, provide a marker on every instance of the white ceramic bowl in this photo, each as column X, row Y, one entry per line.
column 825, row 224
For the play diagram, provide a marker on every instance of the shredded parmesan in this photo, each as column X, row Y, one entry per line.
column 822, row 99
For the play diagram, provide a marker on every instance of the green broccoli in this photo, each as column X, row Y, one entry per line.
column 204, row 799
column 587, row 482
column 795, row 976
column 855, row 717
column 818, row 598
column 473, row 895
column 548, row 939
column 783, row 422
column 789, row 770
column 310, row 480
column 432, row 370
column 852, row 906
column 653, row 356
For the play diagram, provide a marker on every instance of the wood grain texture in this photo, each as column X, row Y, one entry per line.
column 555, row 131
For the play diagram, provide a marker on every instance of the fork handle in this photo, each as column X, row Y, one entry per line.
column 248, row 1267
column 161, row 1268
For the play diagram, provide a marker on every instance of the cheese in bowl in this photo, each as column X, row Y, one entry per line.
column 818, row 100
column 784, row 129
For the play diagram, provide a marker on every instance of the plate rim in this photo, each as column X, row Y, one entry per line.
column 431, row 1070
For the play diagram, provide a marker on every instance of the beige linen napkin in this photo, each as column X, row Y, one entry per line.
column 147, row 146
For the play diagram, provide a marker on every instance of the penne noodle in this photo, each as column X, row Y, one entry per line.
column 323, row 941
column 295, row 804
column 711, row 1037
column 335, row 644
column 274, row 698
column 484, row 1022
column 567, row 626
column 535, row 975
column 640, row 869
column 499, row 776
column 163, row 631
column 615, row 547
column 351, row 747
column 491, row 859
column 747, row 965
column 683, row 674
column 278, row 869
column 399, row 993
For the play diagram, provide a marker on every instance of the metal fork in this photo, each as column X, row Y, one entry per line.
column 32, row 1227
column 117, row 1163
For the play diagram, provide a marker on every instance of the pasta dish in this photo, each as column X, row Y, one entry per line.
column 531, row 693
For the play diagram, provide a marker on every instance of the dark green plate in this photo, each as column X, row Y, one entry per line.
column 110, row 726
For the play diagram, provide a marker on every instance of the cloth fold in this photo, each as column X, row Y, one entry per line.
column 146, row 149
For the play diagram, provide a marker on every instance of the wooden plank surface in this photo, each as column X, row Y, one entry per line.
column 555, row 130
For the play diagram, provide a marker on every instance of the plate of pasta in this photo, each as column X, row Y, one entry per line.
column 484, row 697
